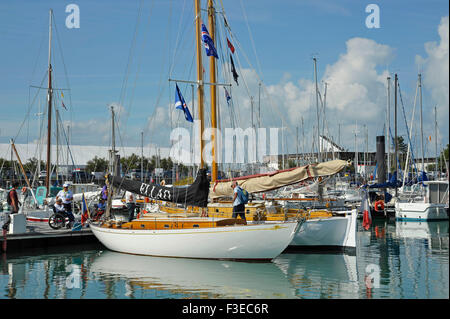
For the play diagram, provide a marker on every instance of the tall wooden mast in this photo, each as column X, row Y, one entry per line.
column 200, row 90
column 49, row 112
column 212, row 71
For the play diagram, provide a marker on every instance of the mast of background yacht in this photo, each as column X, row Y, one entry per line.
column 421, row 124
column 395, row 129
column 388, row 124
column 49, row 112
column 319, row 157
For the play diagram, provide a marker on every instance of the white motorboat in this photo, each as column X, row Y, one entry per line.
column 432, row 205
column 331, row 233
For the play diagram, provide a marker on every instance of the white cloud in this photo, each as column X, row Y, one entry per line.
column 435, row 76
column 356, row 92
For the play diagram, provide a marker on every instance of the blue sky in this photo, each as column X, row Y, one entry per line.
column 284, row 35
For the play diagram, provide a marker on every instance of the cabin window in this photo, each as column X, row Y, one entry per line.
column 142, row 225
column 196, row 225
column 217, row 210
column 166, row 226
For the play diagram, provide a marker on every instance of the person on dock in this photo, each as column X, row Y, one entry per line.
column 238, row 204
column 59, row 207
column 131, row 204
column 67, row 197
column 14, row 203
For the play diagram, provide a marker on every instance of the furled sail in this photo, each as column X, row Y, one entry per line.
column 270, row 181
column 195, row 194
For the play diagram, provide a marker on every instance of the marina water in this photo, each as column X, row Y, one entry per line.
column 394, row 260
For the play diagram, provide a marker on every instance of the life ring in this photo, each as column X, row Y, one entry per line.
column 379, row 206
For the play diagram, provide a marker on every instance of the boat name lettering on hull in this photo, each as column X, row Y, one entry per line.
column 162, row 194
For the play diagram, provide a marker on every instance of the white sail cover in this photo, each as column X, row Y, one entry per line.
column 270, row 181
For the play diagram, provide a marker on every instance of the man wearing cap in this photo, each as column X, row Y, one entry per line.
column 66, row 196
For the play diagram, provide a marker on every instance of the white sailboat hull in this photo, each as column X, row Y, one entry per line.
column 420, row 211
column 257, row 242
column 334, row 232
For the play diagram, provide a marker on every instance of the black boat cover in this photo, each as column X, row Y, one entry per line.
column 195, row 194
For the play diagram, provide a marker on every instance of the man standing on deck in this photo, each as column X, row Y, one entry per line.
column 131, row 204
column 238, row 204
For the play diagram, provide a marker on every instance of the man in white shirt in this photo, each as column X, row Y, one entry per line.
column 66, row 196
column 131, row 204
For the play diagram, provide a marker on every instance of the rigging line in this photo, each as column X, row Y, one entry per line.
column 123, row 149
column 406, row 123
column 272, row 104
column 251, row 37
column 137, row 72
column 127, row 115
column 161, row 88
column 39, row 53
column 62, row 59
column 29, row 108
column 64, row 68
column 67, row 140
column 129, row 61
column 177, row 42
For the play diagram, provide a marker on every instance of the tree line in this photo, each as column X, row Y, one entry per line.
column 97, row 164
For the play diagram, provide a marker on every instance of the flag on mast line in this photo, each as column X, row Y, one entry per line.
column 230, row 45
column 233, row 70
column 227, row 96
column 181, row 104
column 208, row 43
column 85, row 210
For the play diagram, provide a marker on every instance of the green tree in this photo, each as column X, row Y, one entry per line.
column 443, row 156
column 131, row 162
column 97, row 165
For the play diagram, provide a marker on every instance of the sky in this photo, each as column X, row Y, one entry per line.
column 124, row 52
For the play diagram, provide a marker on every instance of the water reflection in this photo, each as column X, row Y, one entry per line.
column 321, row 275
column 411, row 259
column 193, row 278
column 47, row 276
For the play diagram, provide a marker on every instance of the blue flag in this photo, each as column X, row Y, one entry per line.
column 208, row 42
column 181, row 104
column 227, row 96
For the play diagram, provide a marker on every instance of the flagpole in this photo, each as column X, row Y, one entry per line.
column 200, row 92
column 212, row 71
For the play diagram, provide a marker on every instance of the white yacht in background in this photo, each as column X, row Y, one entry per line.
column 432, row 204
column 332, row 233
